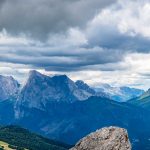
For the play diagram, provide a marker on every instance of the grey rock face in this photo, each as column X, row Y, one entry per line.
column 88, row 90
column 111, row 138
column 9, row 87
column 41, row 90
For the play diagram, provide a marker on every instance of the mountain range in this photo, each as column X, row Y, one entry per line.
column 66, row 111
column 56, row 88
column 142, row 101
column 120, row 94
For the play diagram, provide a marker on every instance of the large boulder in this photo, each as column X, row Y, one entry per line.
column 111, row 138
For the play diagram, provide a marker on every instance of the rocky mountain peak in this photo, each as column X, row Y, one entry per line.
column 35, row 74
column 145, row 95
column 9, row 87
column 82, row 84
column 61, row 79
column 41, row 89
column 111, row 138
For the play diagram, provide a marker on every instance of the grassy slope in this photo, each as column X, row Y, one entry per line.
column 17, row 136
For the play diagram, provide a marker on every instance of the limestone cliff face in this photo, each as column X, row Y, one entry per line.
column 111, row 138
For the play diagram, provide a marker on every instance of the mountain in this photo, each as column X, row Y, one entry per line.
column 142, row 101
column 145, row 94
column 41, row 89
column 9, row 87
column 19, row 137
column 88, row 90
column 120, row 94
column 7, row 112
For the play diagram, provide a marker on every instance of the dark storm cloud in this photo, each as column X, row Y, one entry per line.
column 116, row 40
column 38, row 18
column 76, row 59
column 2, row 2
column 95, row 45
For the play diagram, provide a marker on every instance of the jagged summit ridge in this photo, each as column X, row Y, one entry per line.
column 88, row 90
column 41, row 89
column 33, row 73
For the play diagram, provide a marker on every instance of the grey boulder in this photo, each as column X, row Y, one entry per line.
column 108, row 138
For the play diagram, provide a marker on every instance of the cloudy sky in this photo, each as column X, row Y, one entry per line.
column 98, row 41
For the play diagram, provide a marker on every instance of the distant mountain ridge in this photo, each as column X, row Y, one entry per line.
column 142, row 101
column 58, row 88
column 41, row 89
column 120, row 94
column 91, row 92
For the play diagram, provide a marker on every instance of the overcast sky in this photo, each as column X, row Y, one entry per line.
column 98, row 41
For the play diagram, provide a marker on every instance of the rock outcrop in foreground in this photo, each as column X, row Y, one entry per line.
column 111, row 138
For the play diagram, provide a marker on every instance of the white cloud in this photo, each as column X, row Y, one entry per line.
column 121, row 25
column 133, row 17
column 112, row 48
column 136, row 18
